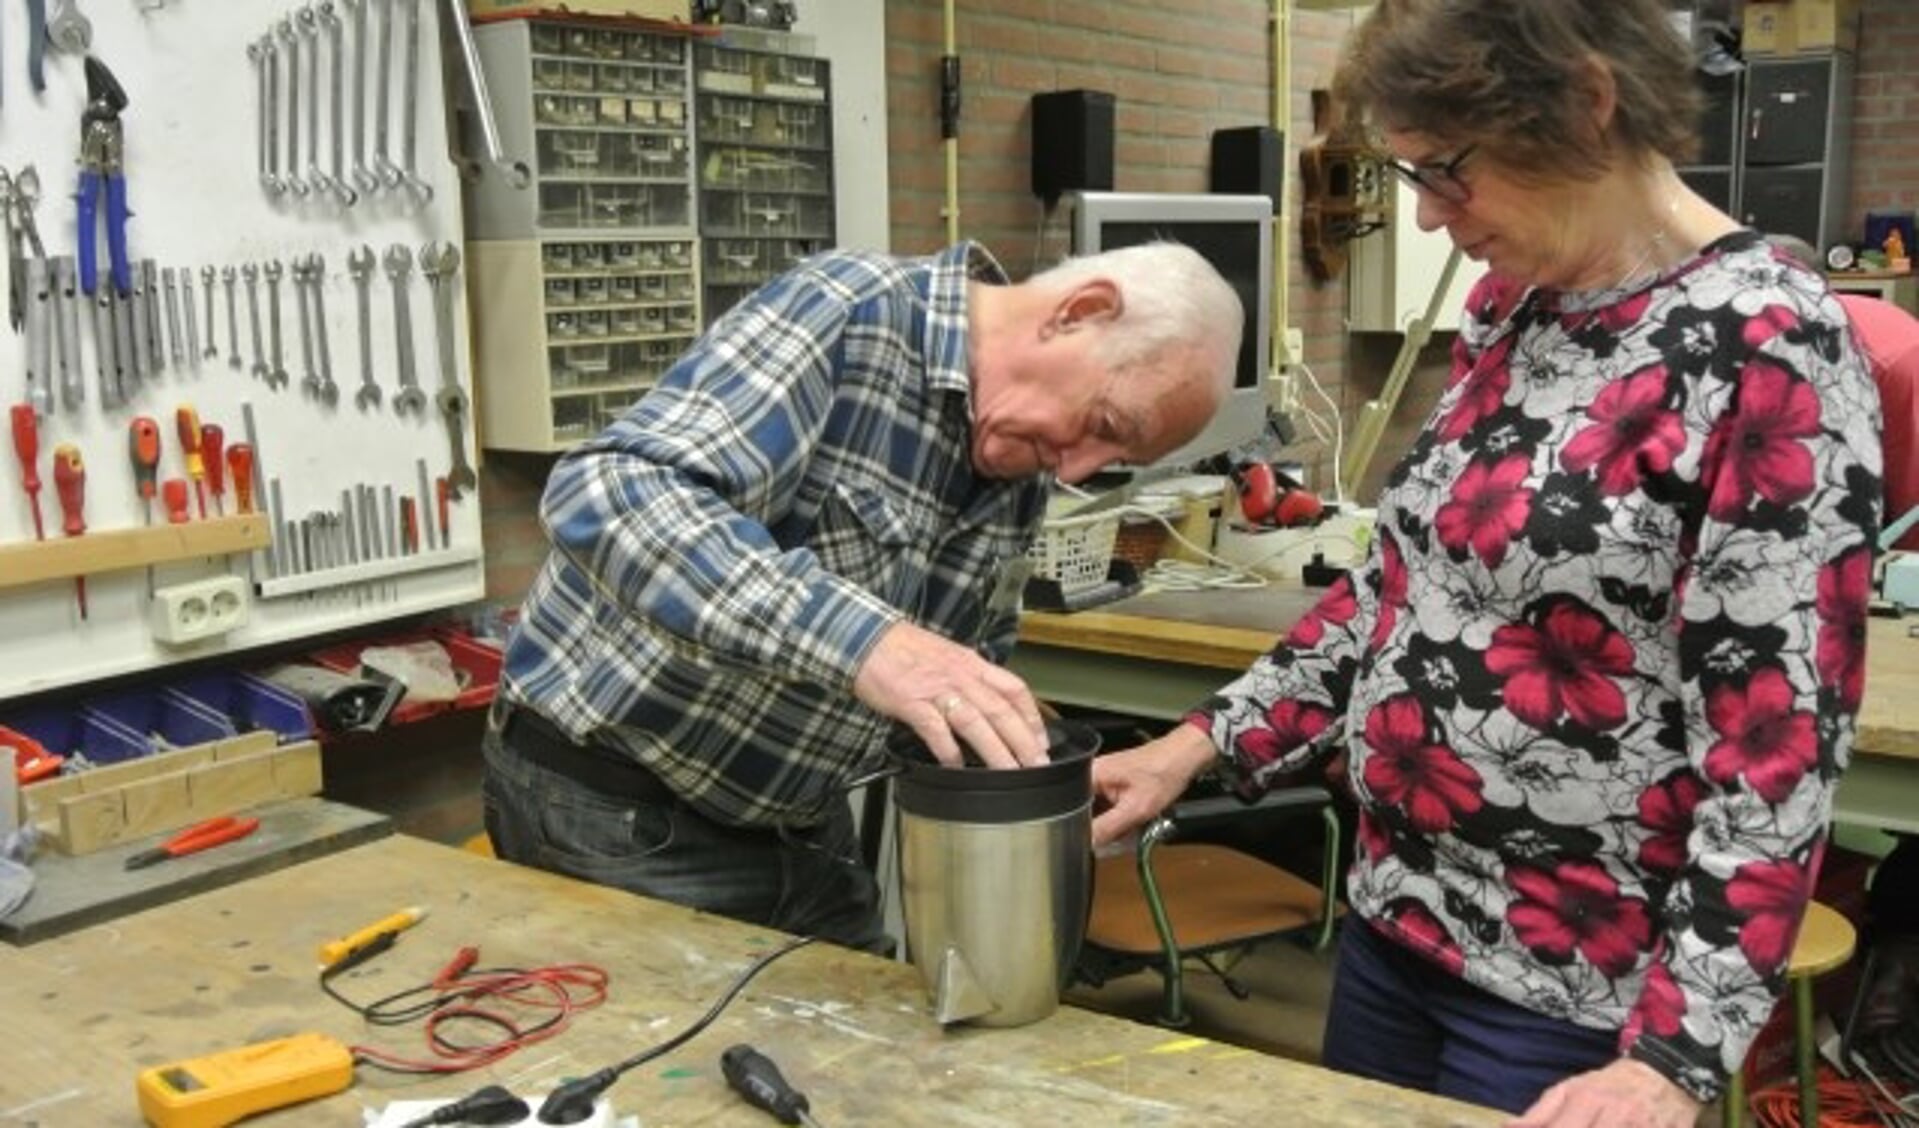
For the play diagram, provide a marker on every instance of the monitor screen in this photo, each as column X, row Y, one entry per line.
column 1234, row 234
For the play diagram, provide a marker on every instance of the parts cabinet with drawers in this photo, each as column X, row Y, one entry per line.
column 584, row 285
column 764, row 133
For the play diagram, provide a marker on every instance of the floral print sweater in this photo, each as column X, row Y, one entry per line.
column 1599, row 674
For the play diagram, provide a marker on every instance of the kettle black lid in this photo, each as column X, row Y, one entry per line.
column 975, row 793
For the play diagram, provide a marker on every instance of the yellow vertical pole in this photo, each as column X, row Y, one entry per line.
column 951, row 143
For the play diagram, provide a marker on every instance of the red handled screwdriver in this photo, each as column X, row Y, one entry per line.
column 187, row 422
column 240, row 469
column 143, row 449
column 26, row 444
column 212, row 442
column 70, row 482
column 173, row 492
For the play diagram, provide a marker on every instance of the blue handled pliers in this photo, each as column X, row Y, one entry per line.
column 102, row 147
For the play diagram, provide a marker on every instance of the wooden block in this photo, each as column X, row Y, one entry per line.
column 40, row 802
column 157, row 804
column 91, row 822
column 222, row 788
column 111, row 776
column 245, row 744
column 296, row 770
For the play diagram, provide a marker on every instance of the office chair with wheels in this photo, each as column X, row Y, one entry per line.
column 1173, row 901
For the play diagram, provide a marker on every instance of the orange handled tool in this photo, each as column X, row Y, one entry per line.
column 212, row 440
column 26, row 444
column 192, row 840
column 174, row 492
column 187, row 422
column 240, row 469
column 31, row 760
column 70, row 482
column 143, row 449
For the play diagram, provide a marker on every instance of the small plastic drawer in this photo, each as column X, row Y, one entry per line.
column 476, row 664
column 250, row 704
column 67, row 731
column 167, row 719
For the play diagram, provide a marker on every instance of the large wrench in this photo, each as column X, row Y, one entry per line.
column 359, row 264
column 410, row 134
column 336, row 44
column 363, row 176
column 309, row 383
column 383, row 166
column 308, row 26
column 316, row 278
column 291, row 38
column 266, row 64
column 399, row 266
column 441, row 265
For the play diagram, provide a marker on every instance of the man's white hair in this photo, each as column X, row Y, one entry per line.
column 1173, row 300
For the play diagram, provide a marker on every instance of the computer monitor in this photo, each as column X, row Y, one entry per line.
column 1235, row 234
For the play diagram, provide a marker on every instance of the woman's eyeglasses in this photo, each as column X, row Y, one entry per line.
column 1440, row 178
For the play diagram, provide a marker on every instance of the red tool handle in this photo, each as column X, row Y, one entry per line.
column 240, row 467
column 70, row 481
column 212, row 443
column 442, row 491
column 175, row 494
column 211, row 833
column 26, row 445
column 143, row 449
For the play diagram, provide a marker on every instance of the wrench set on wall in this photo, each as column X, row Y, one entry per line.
column 288, row 60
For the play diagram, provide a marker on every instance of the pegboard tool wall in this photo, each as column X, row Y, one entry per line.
column 192, row 153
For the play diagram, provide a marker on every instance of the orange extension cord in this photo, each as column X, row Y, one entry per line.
column 1843, row 1103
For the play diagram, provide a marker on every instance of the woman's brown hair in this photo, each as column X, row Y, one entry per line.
column 1515, row 77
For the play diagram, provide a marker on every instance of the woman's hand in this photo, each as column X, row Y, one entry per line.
column 1141, row 782
column 1626, row 1094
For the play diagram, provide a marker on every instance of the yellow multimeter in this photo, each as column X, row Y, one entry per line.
column 218, row 1089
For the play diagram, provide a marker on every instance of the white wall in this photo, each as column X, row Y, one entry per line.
column 852, row 33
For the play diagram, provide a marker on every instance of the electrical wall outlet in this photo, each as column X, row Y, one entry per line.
column 1292, row 345
column 188, row 612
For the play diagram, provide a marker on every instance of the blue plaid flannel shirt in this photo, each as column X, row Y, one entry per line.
column 726, row 554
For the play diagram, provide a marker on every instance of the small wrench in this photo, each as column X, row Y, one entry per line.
column 316, row 275
column 308, row 27
column 399, row 265
column 291, row 38
column 228, row 276
column 362, row 175
column 410, row 133
column 359, row 264
column 252, row 274
column 336, row 46
column 206, row 282
column 309, row 383
column 277, row 377
column 441, row 264
column 383, row 166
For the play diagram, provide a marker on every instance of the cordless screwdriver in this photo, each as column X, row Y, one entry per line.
column 754, row 1076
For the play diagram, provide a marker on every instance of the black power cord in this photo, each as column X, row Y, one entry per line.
column 491, row 1105
column 573, row 1102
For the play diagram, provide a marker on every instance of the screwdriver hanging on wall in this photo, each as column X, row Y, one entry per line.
column 26, row 447
column 70, row 482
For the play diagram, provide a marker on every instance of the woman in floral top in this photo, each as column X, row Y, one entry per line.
column 1598, row 676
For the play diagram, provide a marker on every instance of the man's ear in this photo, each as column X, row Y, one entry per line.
column 1092, row 302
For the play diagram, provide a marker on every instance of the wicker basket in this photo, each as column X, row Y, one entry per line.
column 1075, row 552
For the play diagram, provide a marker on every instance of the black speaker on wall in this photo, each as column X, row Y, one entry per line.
column 1250, row 161
column 1072, row 143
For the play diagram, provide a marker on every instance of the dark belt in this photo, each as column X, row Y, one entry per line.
column 602, row 769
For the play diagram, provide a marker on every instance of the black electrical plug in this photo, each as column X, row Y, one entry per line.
column 491, row 1105
column 574, row 1101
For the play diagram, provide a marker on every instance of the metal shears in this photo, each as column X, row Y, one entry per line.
column 102, row 152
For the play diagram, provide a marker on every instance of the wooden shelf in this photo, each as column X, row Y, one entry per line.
column 116, row 550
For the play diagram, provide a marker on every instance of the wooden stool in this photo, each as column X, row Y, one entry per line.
column 1826, row 941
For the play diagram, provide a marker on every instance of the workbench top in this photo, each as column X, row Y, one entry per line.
column 86, row 1011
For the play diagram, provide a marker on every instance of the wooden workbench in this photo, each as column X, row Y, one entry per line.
column 1158, row 655
column 86, row 1011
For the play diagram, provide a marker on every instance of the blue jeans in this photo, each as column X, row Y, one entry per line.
column 1398, row 1018
column 809, row 881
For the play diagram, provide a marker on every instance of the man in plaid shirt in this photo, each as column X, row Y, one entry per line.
column 809, row 531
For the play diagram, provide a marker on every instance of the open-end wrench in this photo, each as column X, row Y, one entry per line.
column 68, row 30
column 287, row 35
column 383, row 166
column 193, row 322
column 316, row 275
column 310, row 381
column 276, row 377
column 176, row 340
column 39, row 325
column 308, row 26
column 206, row 284
column 336, row 134
column 399, row 267
column 359, row 264
column 410, row 132
column 228, row 278
column 441, row 265
column 252, row 274
column 363, row 177
column 66, row 284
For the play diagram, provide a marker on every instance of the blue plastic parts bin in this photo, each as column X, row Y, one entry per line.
column 248, row 703
column 65, row 731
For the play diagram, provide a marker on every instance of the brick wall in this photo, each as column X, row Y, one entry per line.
column 1885, row 163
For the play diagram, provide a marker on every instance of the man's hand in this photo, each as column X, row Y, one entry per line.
column 1141, row 782
column 1626, row 1094
column 946, row 691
